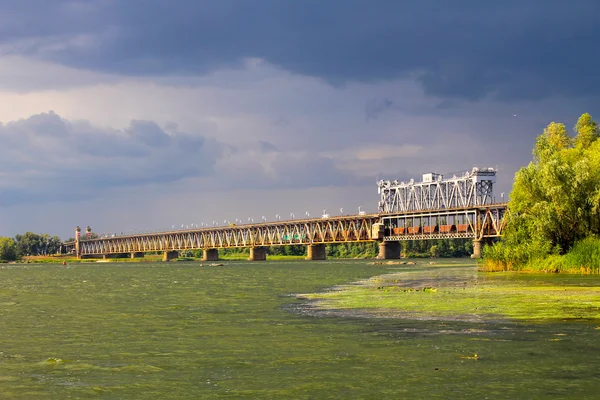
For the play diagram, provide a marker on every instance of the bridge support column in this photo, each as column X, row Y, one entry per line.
column 477, row 244
column 137, row 254
column 315, row 252
column 258, row 254
column 389, row 250
column 170, row 255
column 210, row 255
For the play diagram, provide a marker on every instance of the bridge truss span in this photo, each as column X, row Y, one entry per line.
column 302, row 232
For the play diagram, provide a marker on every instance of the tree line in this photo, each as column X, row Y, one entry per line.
column 409, row 249
column 28, row 244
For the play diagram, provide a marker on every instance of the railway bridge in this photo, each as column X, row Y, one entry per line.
column 461, row 206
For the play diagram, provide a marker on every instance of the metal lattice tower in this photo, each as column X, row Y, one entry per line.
column 470, row 188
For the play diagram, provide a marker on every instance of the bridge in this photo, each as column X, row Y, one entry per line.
column 461, row 206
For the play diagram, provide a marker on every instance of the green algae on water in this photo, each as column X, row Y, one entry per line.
column 460, row 293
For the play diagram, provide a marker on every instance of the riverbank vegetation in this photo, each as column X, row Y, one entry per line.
column 28, row 244
column 554, row 219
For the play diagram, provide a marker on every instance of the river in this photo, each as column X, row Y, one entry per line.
column 182, row 331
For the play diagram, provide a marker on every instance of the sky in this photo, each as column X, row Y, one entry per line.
column 133, row 116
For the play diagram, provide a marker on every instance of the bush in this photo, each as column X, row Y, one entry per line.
column 584, row 257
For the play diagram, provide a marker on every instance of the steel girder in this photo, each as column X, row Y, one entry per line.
column 309, row 231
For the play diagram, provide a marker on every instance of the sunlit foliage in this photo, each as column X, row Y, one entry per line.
column 555, row 200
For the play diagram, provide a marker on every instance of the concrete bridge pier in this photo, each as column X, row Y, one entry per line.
column 258, row 254
column 389, row 250
column 477, row 246
column 137, row 254
column 170, row 255
column 210, row 255
column 316, row 252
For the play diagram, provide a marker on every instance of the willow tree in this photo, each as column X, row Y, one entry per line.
column 555, row 200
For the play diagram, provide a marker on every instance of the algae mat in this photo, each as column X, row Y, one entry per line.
column 458, row 292
column 180, row 331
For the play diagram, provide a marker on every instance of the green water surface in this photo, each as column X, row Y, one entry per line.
column 181, row 331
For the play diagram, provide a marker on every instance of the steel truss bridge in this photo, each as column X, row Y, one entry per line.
column 461, row 206
column 477, row 222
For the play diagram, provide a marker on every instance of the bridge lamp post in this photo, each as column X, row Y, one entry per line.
column 264, row 218
column 238, row 221
column 307, row 214
column 278, row 216
column 251, row 220
column 341, row 211
column 358, row 210
column 292, row 215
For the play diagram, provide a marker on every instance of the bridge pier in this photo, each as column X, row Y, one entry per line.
column 170, row 255
column 477, row 245
column 316, row 252
column 137, row 254
column 210, row 255
column 389, row 250
column 258, row 254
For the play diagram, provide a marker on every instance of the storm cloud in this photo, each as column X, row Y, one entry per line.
column 466, row 49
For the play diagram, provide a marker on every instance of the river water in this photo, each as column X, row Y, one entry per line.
column 181, row 331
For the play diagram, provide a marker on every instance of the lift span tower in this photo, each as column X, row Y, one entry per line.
column 437, row 192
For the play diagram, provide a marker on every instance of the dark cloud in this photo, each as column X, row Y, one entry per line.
column 467, row 49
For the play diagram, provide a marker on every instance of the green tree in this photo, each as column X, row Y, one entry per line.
column 8, row 249
column 28, row 244
column 434, row 251
column 555, row 200
column 586, row 130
